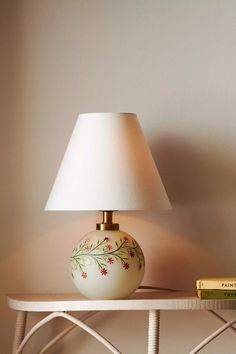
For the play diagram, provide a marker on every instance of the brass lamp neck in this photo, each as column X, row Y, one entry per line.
column 107, row 223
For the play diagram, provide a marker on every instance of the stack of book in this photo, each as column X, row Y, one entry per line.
column 216, row 288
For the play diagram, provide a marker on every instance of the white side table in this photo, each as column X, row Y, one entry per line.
column 60, row 305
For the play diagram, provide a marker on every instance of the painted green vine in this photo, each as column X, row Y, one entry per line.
column 103, row 254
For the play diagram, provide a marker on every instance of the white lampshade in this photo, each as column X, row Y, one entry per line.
column 107, row 166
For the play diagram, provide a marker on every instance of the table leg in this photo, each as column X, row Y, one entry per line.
column 153, row 332
column 19, row 330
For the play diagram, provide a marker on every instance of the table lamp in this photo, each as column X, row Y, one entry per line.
column 107, row 167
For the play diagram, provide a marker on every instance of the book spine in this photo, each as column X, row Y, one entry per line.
column 217, row 294
column 216, row 284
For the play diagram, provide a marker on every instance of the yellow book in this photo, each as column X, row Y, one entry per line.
column 217, row 283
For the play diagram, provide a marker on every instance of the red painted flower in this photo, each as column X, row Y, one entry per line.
column 106, row 239
column 108, row 247
column 84, row 275
column 126, row 238
column 104, row 271
column 126, row 265
column 87, row 248
column 110, row 260
column 132, row 254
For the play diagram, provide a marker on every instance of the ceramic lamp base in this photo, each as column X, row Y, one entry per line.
column 107, row 264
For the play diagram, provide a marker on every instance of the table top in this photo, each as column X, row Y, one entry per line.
column 140, row 300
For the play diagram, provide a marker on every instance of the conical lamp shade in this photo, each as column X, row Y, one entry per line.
column 107, row 166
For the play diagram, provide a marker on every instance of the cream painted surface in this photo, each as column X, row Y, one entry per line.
column 171, row 62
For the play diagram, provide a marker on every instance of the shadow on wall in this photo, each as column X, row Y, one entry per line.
column 200, row 179
column 195, row 170
column 199, row 240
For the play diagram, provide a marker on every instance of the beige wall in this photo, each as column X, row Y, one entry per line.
column 171, row 62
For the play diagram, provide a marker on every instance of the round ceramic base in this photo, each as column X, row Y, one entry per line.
column 107, row 265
